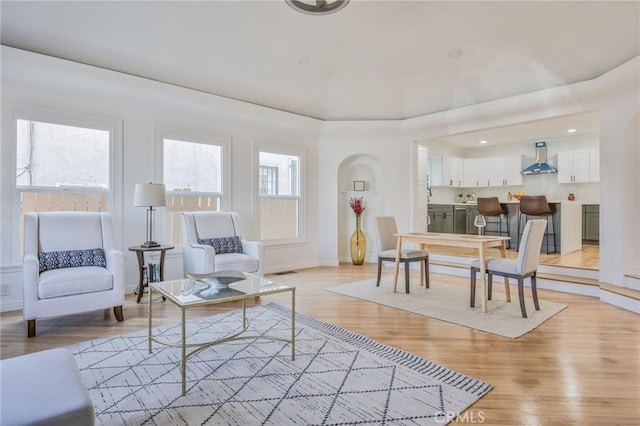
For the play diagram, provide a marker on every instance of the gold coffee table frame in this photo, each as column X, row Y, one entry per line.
column 190, row 292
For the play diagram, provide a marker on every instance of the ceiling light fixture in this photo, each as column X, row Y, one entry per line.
column 571, row 130
column 317, row 7
column 483, row 142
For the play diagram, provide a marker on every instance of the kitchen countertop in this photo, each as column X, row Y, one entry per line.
column 513, row 202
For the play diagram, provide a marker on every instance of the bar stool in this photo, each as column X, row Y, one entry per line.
column 537, row 206
column 491, row 207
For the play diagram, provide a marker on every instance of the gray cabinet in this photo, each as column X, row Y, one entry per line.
column 447, row 218
column 472, row 212
column 591, row 223
column 441, row 218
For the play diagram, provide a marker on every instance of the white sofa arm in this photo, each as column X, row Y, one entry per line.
column 198, row 258
column 115, row 265
column 255, row 249
column 30, row 278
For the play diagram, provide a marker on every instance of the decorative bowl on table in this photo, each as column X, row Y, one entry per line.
column 519, row 195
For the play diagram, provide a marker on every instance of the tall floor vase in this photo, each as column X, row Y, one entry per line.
column 358, row 244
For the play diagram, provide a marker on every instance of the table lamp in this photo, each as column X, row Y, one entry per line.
column 150, row 195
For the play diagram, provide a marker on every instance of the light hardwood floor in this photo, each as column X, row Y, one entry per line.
column 580, row 367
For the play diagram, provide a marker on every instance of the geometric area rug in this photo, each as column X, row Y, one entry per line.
column 338, row 377
column 449, row 302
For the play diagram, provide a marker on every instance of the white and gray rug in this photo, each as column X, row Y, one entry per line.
column 338, row 378
column 450, row 302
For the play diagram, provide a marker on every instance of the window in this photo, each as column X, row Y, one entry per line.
column 62, row 167
column 193, row 173
column 268, row 180
column 279, row 192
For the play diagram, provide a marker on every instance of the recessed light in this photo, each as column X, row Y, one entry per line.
column 571, row 130
column 483, row 142
column 455, row 53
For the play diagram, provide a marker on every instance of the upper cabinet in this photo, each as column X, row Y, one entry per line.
column 476, row 172
column 452, row 172
column 434, row 177
column 505, row 171
column 579, row 166
column 423, row 164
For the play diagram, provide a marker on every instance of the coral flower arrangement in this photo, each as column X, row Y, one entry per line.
column 357, row 205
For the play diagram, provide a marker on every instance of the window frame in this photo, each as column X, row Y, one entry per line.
column 10, row 229
column 291, row 150
column 224, row 142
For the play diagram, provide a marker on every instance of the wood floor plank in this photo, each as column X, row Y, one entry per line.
column 580, row 367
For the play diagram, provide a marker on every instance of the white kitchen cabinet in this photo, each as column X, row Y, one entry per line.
column 475, row 172
column 435, row 170
column 577, row 166
column 452, row 171
column 513, row 167
column 423, row 164
column 505, row 171
column 470, row 169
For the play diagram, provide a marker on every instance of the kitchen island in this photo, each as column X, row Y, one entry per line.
column 459, row 218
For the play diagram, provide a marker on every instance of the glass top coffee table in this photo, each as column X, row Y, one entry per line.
column 211, row 289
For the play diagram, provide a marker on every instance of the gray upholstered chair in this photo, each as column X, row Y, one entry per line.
column 525, row 266
column 213, row 242
column 71, row 265
column 386, row 227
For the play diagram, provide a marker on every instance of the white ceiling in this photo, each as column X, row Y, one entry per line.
column 553, row 128
column 371, row 60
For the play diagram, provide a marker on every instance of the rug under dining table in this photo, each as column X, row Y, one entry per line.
column 450, row 302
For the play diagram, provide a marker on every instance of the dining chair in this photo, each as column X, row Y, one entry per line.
column 386, row 227
column 525, row 266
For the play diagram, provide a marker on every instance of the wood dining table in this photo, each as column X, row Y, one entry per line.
column 478, row 242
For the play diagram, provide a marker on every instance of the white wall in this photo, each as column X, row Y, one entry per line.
column 144, row 107
column 382, row 141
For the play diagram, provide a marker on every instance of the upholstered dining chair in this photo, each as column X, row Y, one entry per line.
column 386, row 227
column 71, row 265
column 525, row 266
column 213, row 242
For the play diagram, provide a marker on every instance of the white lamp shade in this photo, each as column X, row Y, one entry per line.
column 150, row 195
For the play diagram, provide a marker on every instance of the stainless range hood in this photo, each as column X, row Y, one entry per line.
column 540, row 166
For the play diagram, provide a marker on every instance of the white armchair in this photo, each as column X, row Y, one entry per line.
column 212, row 242
column 70, row 266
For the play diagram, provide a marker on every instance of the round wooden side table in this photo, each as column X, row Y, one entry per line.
column 140, row 251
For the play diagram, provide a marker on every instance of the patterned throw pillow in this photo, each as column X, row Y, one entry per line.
column 223, row 244
column 71, row 259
